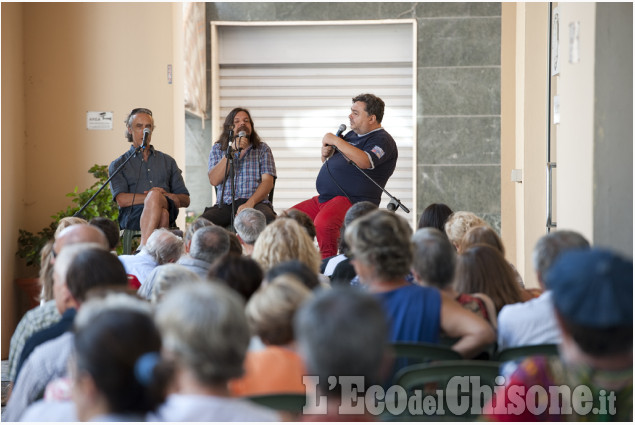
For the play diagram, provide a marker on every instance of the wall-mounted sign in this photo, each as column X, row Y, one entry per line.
column 96, row 120
column 555, row 42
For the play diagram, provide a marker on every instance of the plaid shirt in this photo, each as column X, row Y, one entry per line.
column 249, row 171
column 33, row 321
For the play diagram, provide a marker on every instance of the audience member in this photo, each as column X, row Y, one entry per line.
column 249, row 224
column 593, row 302
column 92, row 367
column 205, row 337
column 277, row 368
column 70, row 230
column 303, row 220
column 534, row 322
column 435, row 215
column 434, row 265
column 86, row 267
column 235, row 247
column 341, row 332
column 339, row 268
column 208, row 244
column 296, row 268
column 107, row 386
column 241, row 273
column 457, row 225
column 67, row 222
column 110, row 229
column 167, row 277
column 199, row 223
column 483, row 269
column 282, row 240
column 163, row 247
column 382, row 254
column 47, row 259
column 488, row 236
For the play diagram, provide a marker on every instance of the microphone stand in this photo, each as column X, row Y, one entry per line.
column 232, row 172
column 81, row 210
column 394, row 202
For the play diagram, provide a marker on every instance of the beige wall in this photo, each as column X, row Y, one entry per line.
column 78, row 57
column 575, row 133
column 523, row 130
column 13, row 159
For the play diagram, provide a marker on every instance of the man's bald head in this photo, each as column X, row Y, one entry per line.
column 80, row 233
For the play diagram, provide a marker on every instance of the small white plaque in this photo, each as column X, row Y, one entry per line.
column 555, row 42
column 96, row 120
column 574, row 42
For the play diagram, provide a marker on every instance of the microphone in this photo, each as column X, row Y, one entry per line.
column 340, row 130
column 241, row 134
column 146, row 134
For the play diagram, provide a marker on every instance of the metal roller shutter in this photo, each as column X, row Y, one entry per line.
column 294, row 104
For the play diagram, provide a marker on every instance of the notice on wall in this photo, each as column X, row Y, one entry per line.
column 97, row 120
column 574, row 42
column 555, row 42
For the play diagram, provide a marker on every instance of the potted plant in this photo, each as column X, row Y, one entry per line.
column 30, row 244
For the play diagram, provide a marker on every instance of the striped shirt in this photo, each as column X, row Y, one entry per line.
column 34, row 320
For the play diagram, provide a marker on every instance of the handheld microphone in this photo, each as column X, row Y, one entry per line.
column 241, row 134
column 340, row 130
column 146, row 134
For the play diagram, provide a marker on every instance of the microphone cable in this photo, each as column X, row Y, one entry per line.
column 335, row 181
column 138, row 178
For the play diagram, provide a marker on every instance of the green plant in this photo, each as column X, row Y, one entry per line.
column 30, row 244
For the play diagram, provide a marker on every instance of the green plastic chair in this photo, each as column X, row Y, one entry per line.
column 424, row 352
column 416, row 376
column 428, row 378
column 515, row 353
column 127, row 235
column 286, row 402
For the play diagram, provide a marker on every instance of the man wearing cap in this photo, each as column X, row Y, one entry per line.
column 150, row 188
column 592, row 379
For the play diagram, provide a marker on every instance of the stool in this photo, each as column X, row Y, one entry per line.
column 127, row 235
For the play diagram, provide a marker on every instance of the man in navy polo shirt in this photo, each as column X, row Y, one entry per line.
column 339, row 183
column 150, row 188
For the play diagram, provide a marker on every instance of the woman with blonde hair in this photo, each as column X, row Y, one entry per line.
column 283, row 240
column 459, row 223
column 483, row 269
column 270, row 312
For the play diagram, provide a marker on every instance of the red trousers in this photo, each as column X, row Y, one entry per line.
column 328, row 218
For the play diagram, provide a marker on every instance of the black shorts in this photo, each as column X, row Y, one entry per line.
column 129, row 216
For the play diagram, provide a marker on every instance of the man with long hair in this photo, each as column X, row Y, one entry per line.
column 254, row 170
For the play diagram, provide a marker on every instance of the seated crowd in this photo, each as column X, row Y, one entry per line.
column 195, row 328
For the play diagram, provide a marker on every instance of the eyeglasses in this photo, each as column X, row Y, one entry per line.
column 141, row 110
